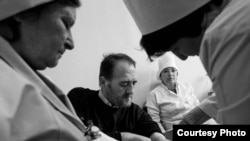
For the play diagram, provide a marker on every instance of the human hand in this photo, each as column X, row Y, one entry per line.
column 126, row 136
column 169, row 134
column 159, row 137
column 104, row 137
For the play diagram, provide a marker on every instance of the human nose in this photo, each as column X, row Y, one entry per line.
column 178, row 54
column 69, row 41
column 170, row 73
column 130, row 88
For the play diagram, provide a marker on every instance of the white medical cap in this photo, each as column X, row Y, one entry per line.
column 9, row 8
column 152, row 15
column 165, row 61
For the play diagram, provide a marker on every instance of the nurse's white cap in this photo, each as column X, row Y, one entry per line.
column 9, row 8
column 152, row 15
column 166, row 61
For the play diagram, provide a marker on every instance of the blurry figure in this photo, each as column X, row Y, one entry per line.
column 203, row 87
column 34, row 34
column 170, row 100
column 217, row 31
column 111, row 108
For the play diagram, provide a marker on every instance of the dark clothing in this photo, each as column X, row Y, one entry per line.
column 110, row 120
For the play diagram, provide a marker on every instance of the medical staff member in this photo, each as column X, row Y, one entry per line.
column 170, row 100
column 34, row 35
column 217, row 31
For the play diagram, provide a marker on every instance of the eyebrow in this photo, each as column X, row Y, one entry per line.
column 129, row 81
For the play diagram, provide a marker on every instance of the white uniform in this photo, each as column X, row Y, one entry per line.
column 29, row 109
column 167, row 108
column 225, row 53
column 210, row 106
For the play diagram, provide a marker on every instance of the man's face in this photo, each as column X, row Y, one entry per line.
column 44, row 39
column 187, row 46
column 120, row 89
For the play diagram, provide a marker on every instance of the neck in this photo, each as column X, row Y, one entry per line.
column 171, row 85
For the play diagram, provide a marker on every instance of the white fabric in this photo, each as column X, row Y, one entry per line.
column 167, row 108
column 29, row 110
column 225, row 53
column 165, row 61
column 210, row 106
column 11, row 7
column 148, row 13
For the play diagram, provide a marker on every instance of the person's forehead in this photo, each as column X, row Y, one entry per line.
column 124, row 69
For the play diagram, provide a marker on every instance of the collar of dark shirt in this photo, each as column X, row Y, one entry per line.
column 102, row 97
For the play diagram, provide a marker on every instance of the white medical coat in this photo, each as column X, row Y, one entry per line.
column 225, row 54
column 29, row 110
column 168, row 108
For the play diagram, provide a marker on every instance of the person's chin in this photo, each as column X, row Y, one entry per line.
column 127, row 103
column 53, row 63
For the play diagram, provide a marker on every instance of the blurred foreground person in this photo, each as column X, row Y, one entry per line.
column 217, row 31
column 34, row 34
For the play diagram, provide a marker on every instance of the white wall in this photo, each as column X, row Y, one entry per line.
column 102, row 27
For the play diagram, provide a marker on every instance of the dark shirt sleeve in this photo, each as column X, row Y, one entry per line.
column 82, row 100
column 116, row 135
column 76, row 97
column 145, row 126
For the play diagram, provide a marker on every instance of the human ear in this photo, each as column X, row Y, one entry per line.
column 102, row 81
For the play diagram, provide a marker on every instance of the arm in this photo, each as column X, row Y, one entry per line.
column 201, row 113
column 195, row 117
column 225, row 58
column 158, row 137
column 193, row 96
column 145, row 126
column 154, row 111
column 126, row 136
column 209, row 106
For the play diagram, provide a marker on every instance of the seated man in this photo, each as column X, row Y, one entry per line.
column 111, row 108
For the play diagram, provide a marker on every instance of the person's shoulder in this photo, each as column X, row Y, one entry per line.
column 81, row 92
column 135, row 106
column 156, row 89
column 185, row 85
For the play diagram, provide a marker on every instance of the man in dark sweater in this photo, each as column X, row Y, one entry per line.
column 111, row 108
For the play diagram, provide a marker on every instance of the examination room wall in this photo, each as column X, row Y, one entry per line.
column 106, row 26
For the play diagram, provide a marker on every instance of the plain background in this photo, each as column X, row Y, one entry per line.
column 106, row 26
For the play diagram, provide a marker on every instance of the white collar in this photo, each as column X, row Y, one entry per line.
column 104, row 99
column 176, row 88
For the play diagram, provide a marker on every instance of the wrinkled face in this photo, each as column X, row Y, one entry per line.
column 186, row 46
column 45, row 39
column 120, row 89
column 169, row 75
